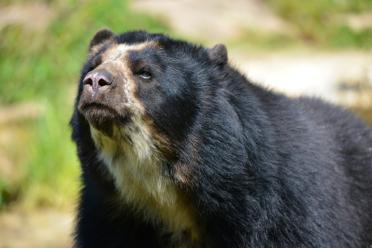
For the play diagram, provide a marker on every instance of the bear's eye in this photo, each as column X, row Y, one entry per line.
column 144, row 74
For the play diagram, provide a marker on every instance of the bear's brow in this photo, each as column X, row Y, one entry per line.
column 120, row 50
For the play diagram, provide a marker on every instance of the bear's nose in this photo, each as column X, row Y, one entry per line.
column 98, row 80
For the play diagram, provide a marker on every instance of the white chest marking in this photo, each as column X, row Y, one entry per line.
column 137, row 171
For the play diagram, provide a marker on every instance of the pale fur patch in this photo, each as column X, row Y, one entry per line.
column 136, row 165
column 137, row 172
column 118, row 51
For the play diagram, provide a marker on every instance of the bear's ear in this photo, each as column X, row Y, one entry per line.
column 218, row 54
column 101, row 36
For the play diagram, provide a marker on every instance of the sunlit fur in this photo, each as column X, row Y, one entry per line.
column 199, row 156
column 132, row 158
column 136, row 168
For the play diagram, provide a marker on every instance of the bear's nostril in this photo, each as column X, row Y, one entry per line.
column 88, row 81
column 103, row 82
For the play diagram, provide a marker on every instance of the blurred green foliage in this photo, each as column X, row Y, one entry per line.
column 44, row 65
column 322, row 22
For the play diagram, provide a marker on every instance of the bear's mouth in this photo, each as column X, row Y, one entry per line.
column 102, row 116
column 100, row 108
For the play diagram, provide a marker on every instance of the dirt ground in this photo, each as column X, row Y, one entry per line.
column 42, row 228
column 215, row 19
column 39, row 13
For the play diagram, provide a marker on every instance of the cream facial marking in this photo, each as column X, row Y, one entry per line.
column 133, row 159
column 116, row 57
column 119, row 51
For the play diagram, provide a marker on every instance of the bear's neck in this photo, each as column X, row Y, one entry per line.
column 138, row 171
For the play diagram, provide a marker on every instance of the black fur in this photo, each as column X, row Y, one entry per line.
column 100, row 37
column 264, row 170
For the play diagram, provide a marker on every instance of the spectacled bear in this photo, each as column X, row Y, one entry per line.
column 179, row 149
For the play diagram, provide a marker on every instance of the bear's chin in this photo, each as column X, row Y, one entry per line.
column 104, row 119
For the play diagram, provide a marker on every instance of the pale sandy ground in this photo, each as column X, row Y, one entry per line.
column 33, row 16
column 44, row 228
column 214, row 19
column 336, row 77
column 295, row 73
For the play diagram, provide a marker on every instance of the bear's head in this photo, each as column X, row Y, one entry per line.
column 145, row 83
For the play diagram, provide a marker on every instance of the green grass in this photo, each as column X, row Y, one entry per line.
column 254, row 40
column 39, row 64
column 321, row 22
column 44, row 66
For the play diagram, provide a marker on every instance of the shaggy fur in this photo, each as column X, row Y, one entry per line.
column 242, row 165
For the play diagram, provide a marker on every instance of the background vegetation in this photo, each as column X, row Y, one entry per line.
column 40, row 68
column 321, row 21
